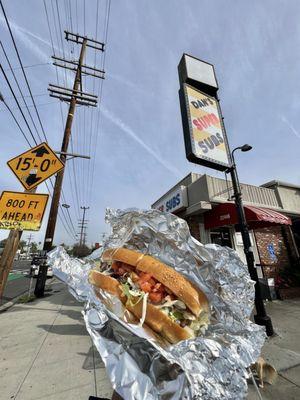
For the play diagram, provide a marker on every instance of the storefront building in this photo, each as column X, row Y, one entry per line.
column 272, row 212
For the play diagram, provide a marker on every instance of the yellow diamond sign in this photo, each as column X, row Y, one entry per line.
column 22, row 211
column 35, row 165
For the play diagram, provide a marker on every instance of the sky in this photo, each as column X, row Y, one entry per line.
column 134, row 136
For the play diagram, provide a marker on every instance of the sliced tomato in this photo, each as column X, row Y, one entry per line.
column 156, row 297
column 145, row 286
column 152, row 281
column 158, row 287
column 115, row 266
column 145, row 277
column 121, row 271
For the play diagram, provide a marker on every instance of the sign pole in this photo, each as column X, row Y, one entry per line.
column 9, row 252
column 261, row 317
column 8, row 256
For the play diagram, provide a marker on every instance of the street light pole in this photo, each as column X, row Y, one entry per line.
column 261, row 317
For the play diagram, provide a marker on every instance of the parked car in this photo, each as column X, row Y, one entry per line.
column 35, row 265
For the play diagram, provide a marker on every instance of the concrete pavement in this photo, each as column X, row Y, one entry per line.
column 283, row 352
column 46, row 353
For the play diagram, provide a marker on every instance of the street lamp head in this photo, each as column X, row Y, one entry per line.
column 65, row 205
column 246, row 147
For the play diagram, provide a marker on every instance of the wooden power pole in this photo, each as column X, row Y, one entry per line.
column 82, row 226
column 73, row 96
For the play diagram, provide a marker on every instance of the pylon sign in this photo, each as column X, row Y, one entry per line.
column 35, row 165
column 22, row 211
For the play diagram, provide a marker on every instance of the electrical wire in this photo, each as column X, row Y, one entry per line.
column 29, row 66
column 26, row 80
column 100, row 97
column 16, row 121
column 23, row 71
column 21, row 93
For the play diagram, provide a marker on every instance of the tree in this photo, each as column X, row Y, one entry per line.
column 80, row 251
column 33, row 247
column 22, row 244
column 3, row 242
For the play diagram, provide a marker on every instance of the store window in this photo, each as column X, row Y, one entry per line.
column 221, row 236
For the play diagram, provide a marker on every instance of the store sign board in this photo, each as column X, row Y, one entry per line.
column 22, row 211
column 204, row 134
column 174, row 201
column 35, row 165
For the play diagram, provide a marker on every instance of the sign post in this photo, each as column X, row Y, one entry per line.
column 25, row 211
column 206, row 144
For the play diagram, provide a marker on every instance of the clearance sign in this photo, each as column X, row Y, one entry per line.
column 205, row 139
column 22, row 211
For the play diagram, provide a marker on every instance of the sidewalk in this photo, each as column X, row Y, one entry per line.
column 46, row 352
column 283, row 352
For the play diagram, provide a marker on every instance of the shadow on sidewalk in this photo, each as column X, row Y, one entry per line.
column 72, row 329
column 92, row 359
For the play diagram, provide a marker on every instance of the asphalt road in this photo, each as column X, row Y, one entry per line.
column 18, row 281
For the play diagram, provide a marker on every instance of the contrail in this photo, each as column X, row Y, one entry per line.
column 115, row 120
column 295, row 132
column 25, row 40
column 130, row 84
column 24, row 36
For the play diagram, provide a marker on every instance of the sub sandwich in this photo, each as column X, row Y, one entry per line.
column 155, row 293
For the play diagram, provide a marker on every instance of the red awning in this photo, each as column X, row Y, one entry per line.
column 257, row 217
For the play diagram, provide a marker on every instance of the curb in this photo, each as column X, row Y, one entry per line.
column 11, row 303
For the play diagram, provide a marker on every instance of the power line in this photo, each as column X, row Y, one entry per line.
column 100, row 96
column 27, row 83
column 18, row 104
column 40, row 105
column 29, row 66
column 16, row 121
column 23, row 71
column 17, row 83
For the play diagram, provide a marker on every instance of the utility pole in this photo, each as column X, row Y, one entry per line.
column 73, row 96
column 82, row 226
column 29, row 237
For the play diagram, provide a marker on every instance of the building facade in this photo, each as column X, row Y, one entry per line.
column 272, row 212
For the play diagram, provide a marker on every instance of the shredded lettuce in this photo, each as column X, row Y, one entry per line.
column 126, row 289
column 144, row 310
column 176, row 315
column 130, row 293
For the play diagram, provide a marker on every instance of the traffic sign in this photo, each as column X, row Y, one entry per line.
column 22, row 211
column 35, row 165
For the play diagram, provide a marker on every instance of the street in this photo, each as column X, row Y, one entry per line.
column 18, row 281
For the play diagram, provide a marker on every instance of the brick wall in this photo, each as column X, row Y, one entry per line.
column 272, row 235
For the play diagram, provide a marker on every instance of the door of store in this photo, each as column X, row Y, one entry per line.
column 221, row 236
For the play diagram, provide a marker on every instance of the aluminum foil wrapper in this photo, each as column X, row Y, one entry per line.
column 140, row 365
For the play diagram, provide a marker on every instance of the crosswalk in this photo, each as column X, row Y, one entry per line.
column 18, row 272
